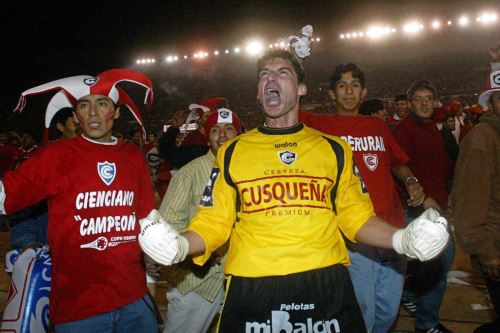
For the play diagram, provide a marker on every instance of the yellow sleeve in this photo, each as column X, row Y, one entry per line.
column 354, row 206
column 217, row 214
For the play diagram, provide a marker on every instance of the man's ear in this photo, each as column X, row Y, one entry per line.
column 331, row 93
column 117, row 112
column 302, row 91
column 60, row 127
column 364, row 92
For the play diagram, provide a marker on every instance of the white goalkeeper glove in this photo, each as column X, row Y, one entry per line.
column 160, row 241
column 424, row 238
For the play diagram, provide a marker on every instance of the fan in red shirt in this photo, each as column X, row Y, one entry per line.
column 97, row 190
column 377, row 157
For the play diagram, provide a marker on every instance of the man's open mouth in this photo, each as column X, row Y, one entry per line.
column 272, row 97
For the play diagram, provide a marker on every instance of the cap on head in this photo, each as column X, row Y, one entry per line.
column 492, row 86
column 454, row 105
column 215, row 103
column 222, row 116
column 71, row 89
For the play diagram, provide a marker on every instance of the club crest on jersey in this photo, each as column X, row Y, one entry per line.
column 287, row 157
column 107, row 171
column 371, row 161
column 90, row 81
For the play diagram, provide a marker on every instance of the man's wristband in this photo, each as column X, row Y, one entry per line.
column 410, row 178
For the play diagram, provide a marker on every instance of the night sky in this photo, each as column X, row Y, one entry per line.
column 48, row 40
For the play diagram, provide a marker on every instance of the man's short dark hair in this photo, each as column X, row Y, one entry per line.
column 421, row 85
column 449, row 115
column 297, row 66
column 133, row 132
column 371, row 106
column 346, row 68
column 401, row 97
column 62, row 116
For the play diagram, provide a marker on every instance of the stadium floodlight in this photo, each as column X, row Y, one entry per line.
column 361, row 34
column 463, row 21
column 138, row 61
column 254, row 47
column 449, row 23
column 318, row 39
column 436, row 24
column 171, row 58
column 205, row 54
column 216, row 52
column 153, row 60
column 486, row 18
column 348, row 36
column 226, row 52
column 185, row 56
column 413, row 27
column 376, row 32
column 342, row 36
column 354, row 35
column 271, row 46
column 237, row 50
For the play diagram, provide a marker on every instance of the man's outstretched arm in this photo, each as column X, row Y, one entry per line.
column 424, row 238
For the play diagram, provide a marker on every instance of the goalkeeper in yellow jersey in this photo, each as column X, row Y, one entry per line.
column 285, row 195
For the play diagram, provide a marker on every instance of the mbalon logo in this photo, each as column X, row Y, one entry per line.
column 287, row 157
column 280, row 323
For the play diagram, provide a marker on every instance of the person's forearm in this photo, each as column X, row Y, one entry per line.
column 196, row 243
column 376, row 232
column 402, row 173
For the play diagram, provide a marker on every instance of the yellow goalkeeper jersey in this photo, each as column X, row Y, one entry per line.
column 285, row 197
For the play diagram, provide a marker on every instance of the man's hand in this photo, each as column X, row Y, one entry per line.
column 160, row 241
column 178, row 119
column 431, row 203
column 424, row 238
column 416, row 193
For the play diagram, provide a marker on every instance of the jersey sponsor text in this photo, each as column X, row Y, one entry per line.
column 292, row 191
column 365, row 143
column 280, row 322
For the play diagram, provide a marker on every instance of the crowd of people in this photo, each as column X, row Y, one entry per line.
column 324, row 217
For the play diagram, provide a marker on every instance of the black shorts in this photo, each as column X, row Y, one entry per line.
column 318, row 301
